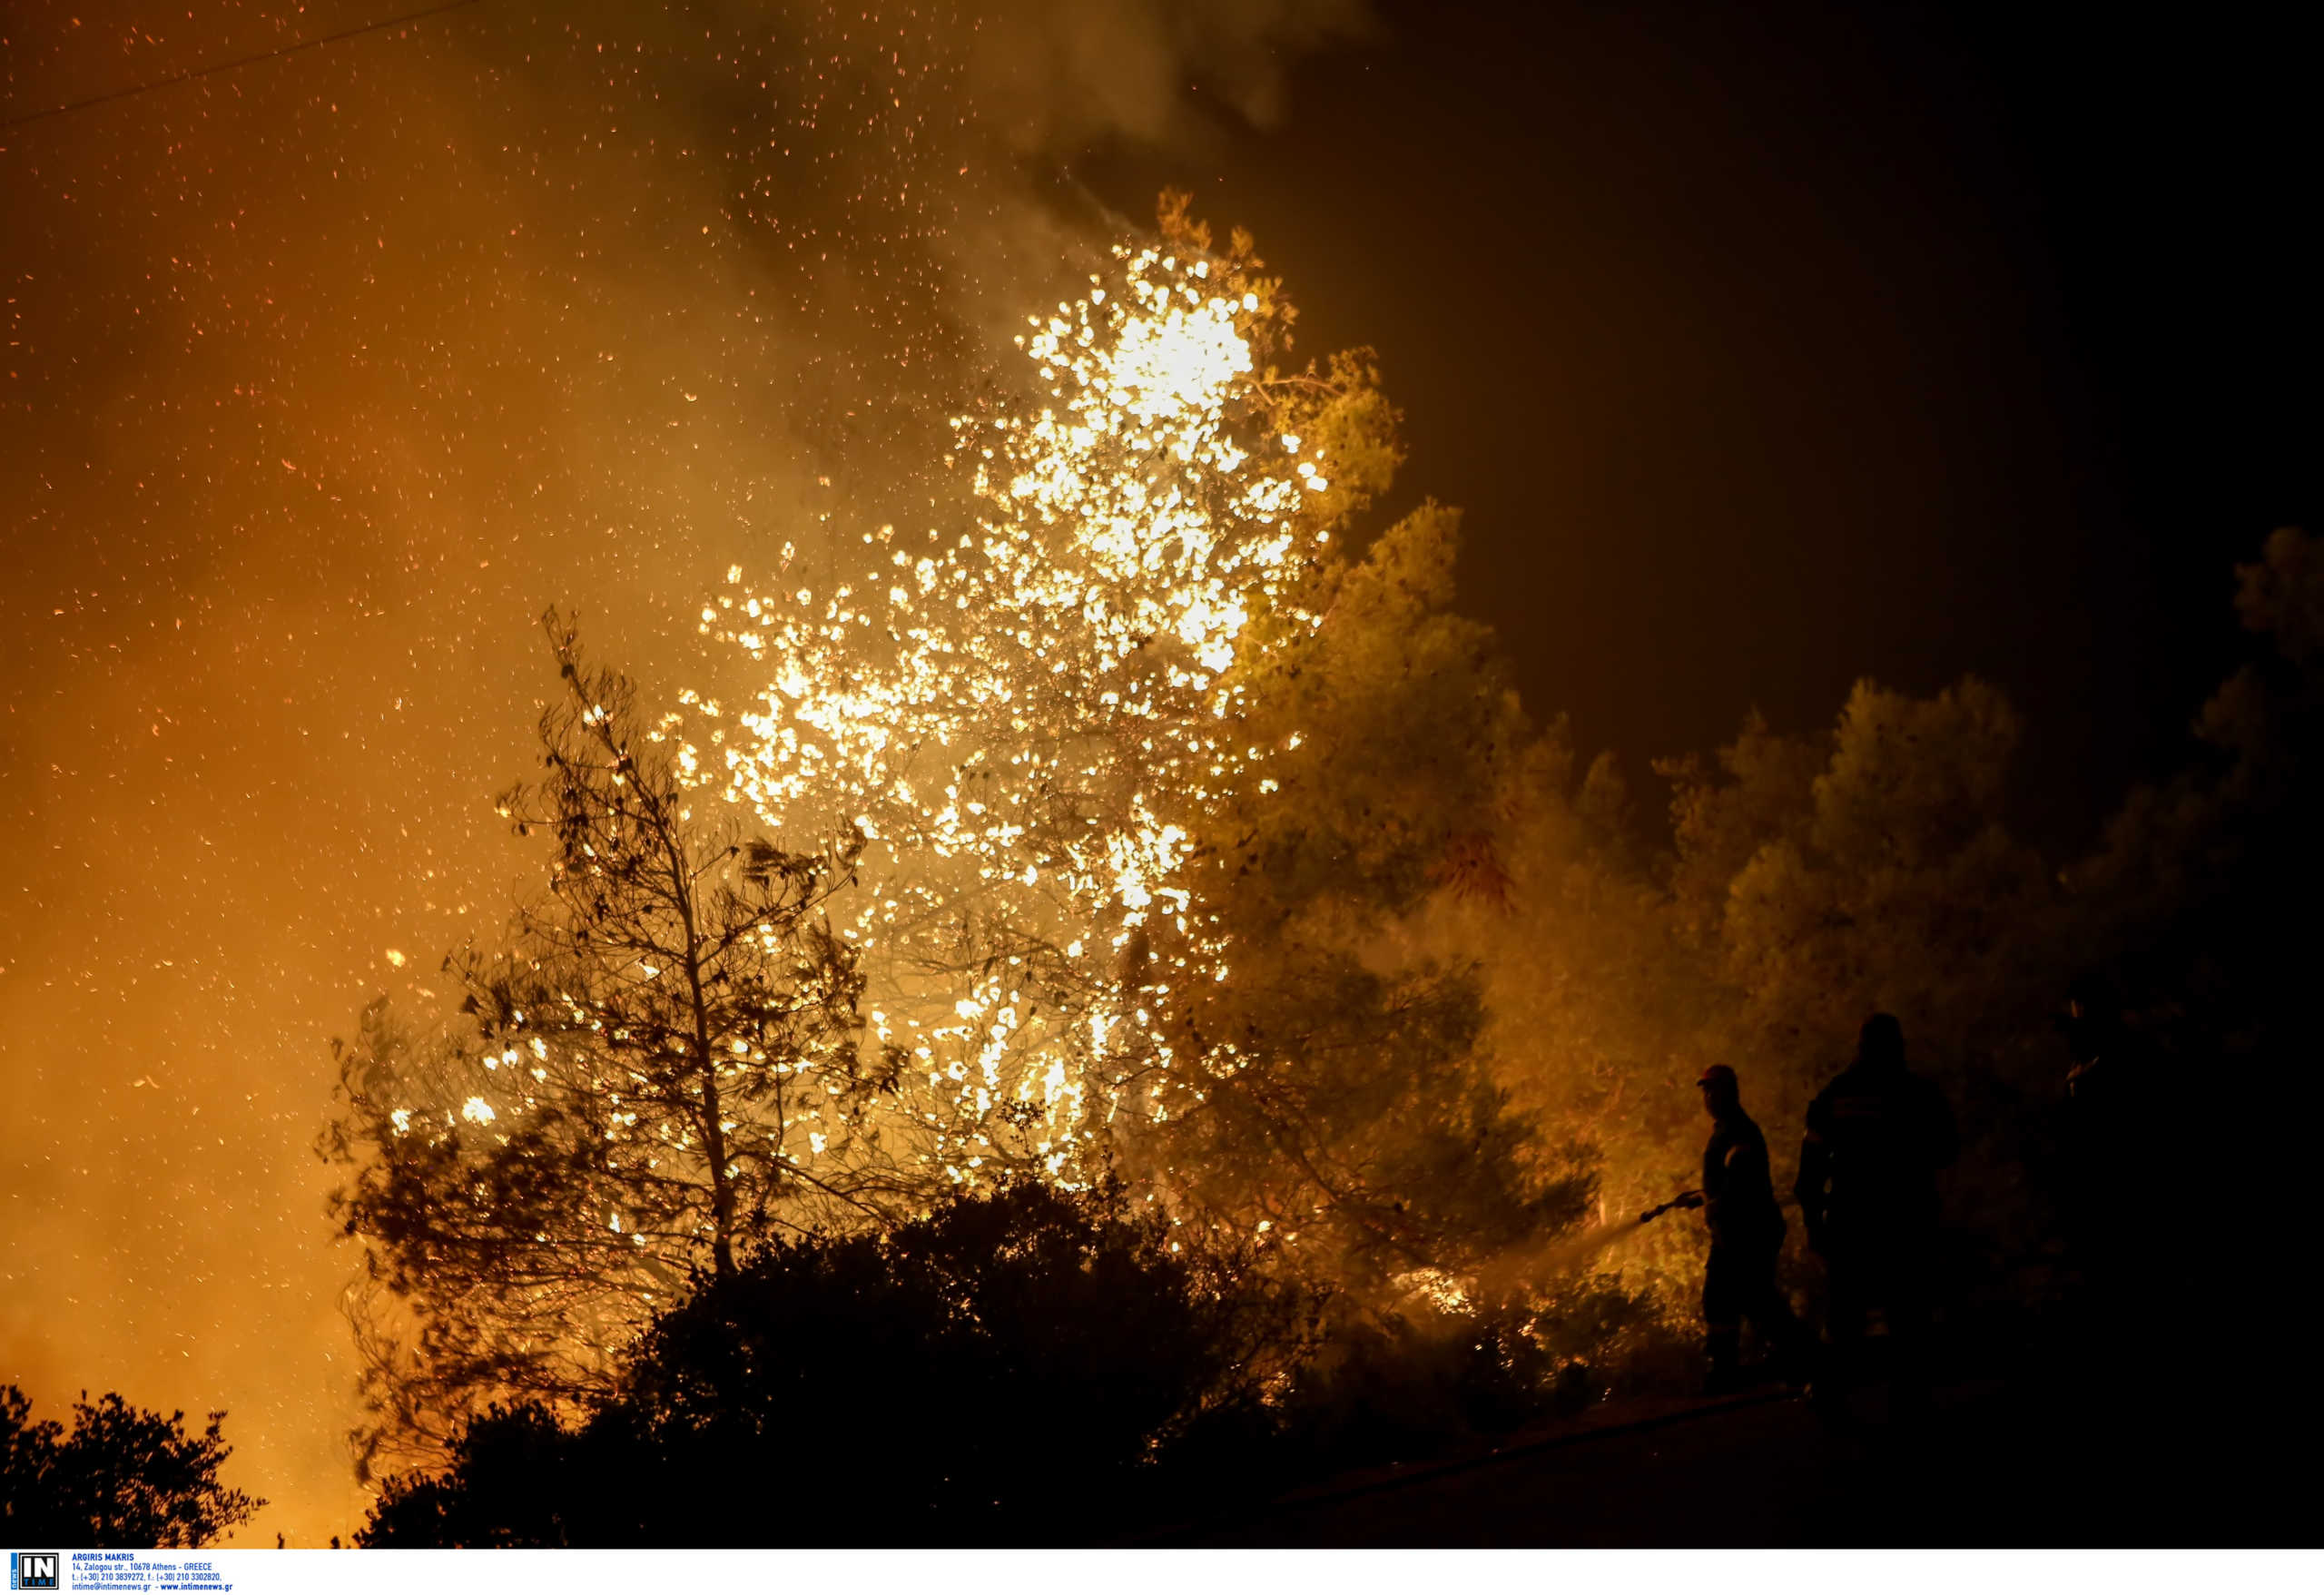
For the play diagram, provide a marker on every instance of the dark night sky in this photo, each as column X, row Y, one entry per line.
column 1767, row 346
column 1772, row 346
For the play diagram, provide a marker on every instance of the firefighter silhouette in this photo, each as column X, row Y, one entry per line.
column 1876, row 1137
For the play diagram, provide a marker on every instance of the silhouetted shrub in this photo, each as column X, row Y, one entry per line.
column 1014, row 1365
column 123, row 1477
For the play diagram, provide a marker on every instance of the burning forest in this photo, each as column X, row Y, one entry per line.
column 1046, row 947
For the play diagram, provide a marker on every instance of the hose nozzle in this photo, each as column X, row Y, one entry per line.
column 1683, row 1199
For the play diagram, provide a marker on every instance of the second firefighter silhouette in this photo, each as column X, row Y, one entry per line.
column 1876, row 1137
column 1746, row 1238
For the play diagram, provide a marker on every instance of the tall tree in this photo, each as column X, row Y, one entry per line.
column 1343, row 1097
column 659, row 1064
column 1891, row 880
column 1601, row 1010
column 2201, row 900
column 2196, row 877
column 1148, row 758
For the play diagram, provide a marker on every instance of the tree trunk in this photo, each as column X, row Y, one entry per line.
column 714, row 1133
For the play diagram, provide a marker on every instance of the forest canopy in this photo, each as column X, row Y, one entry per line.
column 1160, row 829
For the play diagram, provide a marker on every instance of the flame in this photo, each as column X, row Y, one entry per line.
column 1031, row 722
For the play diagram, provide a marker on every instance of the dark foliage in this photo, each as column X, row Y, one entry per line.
column 1025, row 1366
column 1011, row 1366
column 123, row 1477
column 2204, row 905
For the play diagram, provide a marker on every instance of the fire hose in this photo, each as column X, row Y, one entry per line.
column 1683, row 1199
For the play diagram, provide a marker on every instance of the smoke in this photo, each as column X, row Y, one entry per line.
column 323, row 376
column 1052, row 73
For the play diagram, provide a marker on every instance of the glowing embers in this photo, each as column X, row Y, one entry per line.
column 1028, row 722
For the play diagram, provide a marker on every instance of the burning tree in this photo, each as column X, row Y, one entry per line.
column 1141, row 771
column 659, row 1065
column 1129, row 851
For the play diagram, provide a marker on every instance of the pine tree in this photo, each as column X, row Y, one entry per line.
column 1148, row 760
column 658, row 1065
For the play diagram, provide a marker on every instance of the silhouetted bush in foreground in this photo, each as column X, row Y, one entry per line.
column 1029, row 1365
column 123, row 1477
